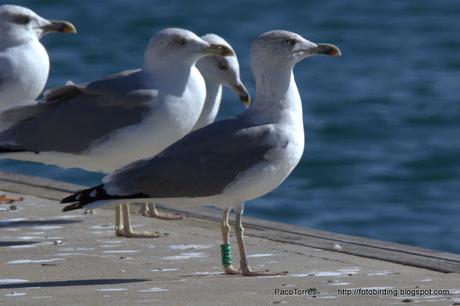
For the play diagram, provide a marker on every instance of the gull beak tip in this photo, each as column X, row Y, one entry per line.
column 329, row 49
column 336, row 52
column 60, row 26
column 68, row 27
column 246, row 100
column 242, row 92
column 222, row 50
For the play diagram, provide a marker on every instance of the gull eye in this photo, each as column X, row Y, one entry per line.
column 21, row 19
column 222, row 66
column 291, row 41
column 180, row 41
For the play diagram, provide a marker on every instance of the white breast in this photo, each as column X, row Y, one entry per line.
column 211, row 106
column 26, row 67
column 265, row 176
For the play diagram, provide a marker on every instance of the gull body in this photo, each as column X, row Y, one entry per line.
column 107, row 123
column 227, row 162
column 24, row 62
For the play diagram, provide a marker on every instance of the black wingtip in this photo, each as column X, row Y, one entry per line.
column 90, row 195
column 11, row 150
column 85, row 196
column 73, row 206
column 71, row 198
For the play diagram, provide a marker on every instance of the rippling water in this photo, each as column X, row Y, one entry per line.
column 382, row 122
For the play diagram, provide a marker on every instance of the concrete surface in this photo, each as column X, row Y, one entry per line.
column 52, row 258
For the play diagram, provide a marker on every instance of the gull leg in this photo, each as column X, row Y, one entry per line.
column 118, row 224
column 239, row 230
column 150, row 210
column 228, row 269
column 6, row 199
column 126, row 229
column 145, row 211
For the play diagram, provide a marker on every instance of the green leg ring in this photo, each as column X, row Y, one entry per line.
column 226, row 252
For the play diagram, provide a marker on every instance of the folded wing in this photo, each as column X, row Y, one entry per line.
column 201, row 164
column 74, row 117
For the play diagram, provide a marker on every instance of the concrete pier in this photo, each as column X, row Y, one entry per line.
column 52, row 258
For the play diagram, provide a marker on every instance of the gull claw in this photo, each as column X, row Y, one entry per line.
column 5, row 199
column 152, row 212
column 230, row 270
column 164, row 216
column 249, row 272
column 132, row 234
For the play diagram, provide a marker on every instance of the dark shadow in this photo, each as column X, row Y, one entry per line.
column 77, row 282
column 36, row 222
column 12, row 243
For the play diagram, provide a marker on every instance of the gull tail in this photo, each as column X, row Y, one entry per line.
column 98, row 193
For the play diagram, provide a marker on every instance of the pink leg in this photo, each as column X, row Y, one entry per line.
column 149, row 210
column 239, row 230
column 229, row 270
column 123, row 224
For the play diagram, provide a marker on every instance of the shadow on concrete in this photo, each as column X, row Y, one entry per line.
column 21, row 223
column 77, row 282
column 14, row 243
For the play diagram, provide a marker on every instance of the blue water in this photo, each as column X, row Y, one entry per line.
column 382, row 122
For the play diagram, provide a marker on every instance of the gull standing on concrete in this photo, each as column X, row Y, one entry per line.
column 24, row 62
column 227, row 162
column 111, row 122
column 216, row 71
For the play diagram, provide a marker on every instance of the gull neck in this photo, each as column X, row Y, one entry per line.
column 277, row 96
column 211, row 104
column 170, row 76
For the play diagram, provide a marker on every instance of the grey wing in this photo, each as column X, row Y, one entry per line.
column 72, row 125
column 201, row 164
column 13, row 116
column 120, row 83
column 63, row 93
column 2, row 73
column 2, row 80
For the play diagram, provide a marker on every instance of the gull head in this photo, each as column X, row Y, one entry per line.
column 174, row 45
column 223, row 70
column 283, row 47
column 19, row 24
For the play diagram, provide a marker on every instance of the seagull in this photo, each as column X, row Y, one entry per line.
column 24, row 62
column 216, row 71
column 107, row 123
column 229, row 162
